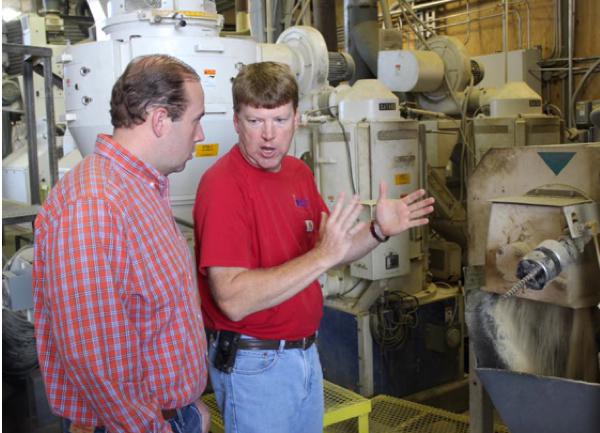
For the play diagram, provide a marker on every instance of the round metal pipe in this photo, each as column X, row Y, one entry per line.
column 505, row 40
column 325, row 21
column 385, row 10
column 570, row 16
column 357, row 12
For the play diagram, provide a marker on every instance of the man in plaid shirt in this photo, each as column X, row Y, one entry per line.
column 119, row 332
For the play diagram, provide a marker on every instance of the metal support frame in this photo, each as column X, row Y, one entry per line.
column 481, row 409
column 366, row 382
column 37, row 55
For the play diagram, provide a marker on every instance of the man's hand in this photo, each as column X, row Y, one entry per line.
column 396, row 215
column 336, row 232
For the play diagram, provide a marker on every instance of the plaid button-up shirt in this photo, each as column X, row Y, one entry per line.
column 117, row 313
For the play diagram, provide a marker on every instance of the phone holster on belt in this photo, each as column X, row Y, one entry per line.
column 227, row 347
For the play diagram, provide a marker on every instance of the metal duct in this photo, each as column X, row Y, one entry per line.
column 366, row 40
column 357, row 12
column 324, row 20
column 257, row 21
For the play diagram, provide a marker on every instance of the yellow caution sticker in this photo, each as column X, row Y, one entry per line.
column 198, row 14
column 204, row 149
column 402, row 178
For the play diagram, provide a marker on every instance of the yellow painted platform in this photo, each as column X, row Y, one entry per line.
column 394, row 415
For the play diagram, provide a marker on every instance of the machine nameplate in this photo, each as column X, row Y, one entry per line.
column 387, row 106
column 397, row 134
column 333, row 137
column 543, row 128
column 203, row 150
column 491, row 129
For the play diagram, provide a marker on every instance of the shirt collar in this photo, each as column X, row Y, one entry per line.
column 107, row 147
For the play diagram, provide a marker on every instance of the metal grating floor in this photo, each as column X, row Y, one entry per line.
column 394, row 415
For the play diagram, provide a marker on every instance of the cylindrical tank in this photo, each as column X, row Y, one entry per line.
column 411, row 71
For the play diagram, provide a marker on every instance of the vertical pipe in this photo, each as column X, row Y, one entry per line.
column 52, row 153
column 269, row 19
column 325, row 21
column 356, row 12
column 241, row 15
column 570, row 15
column 385, row 11
column 34, row 181
column 505, row 40
column 257, row 20
column 528, row 23
column 287, row 9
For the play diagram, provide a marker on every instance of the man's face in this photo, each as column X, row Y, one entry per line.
column 187, row 130
column 265, row 134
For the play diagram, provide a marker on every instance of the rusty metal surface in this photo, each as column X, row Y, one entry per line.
column 515, row 171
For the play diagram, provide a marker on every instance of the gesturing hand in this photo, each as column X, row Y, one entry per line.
column 396, row 215
column 337, row 230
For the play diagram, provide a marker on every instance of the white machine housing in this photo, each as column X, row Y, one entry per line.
column 15, row 167
column 189, row 31
column 367, row 143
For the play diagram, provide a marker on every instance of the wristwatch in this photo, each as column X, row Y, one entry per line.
column 376, row 235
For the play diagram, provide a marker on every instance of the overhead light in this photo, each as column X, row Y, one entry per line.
column 9, row 14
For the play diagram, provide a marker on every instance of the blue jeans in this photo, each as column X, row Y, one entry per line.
column 188, row 420
column 270, row 391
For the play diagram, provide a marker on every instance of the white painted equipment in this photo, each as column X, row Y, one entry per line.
column 190, row 32
column 439, row 73
column 359, row 141
column 15, row 168
column 444, row 79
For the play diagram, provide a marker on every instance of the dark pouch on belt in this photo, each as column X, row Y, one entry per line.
column 227, row 348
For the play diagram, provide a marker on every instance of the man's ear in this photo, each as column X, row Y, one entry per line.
column 160, row 120
column 296, row 119
column 236, row 121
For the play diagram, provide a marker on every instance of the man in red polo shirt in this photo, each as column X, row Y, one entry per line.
column 263, row 237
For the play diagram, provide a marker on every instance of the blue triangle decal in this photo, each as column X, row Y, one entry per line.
column 556, row 160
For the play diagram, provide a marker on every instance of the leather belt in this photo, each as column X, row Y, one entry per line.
column 169, row 413
column 258, row 344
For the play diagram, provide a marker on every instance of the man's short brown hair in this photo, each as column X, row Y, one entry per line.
column 265, row 85
column 149, row 82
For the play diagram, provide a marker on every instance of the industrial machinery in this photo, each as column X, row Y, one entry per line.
column 443, row 78
column 534, row 267
column 383, row 319
column 188, row 30
column 46, row 29
column 462, row 122
column 352, row 136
